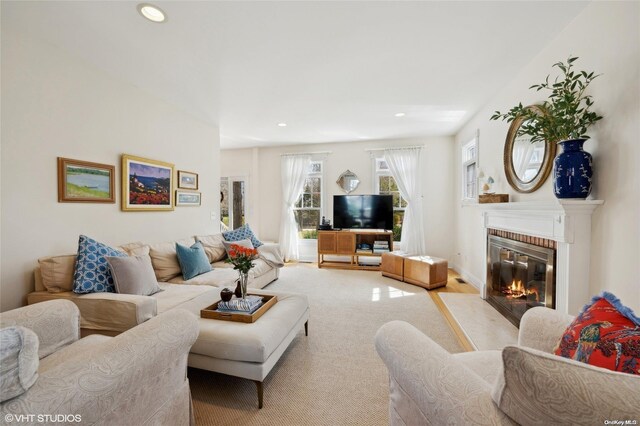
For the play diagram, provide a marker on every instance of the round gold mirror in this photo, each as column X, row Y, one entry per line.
column 527, row 165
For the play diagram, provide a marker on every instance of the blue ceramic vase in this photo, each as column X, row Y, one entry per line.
column 572, row 171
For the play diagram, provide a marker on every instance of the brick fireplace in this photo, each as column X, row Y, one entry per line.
column 537, row 254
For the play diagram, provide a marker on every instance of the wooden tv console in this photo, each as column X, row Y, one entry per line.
column 344, row 243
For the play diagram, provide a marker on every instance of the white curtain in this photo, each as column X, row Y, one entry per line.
column 294, row 170
column 404, row 165
column 522, row 153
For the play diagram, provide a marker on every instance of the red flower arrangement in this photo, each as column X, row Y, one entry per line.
column 241, row 258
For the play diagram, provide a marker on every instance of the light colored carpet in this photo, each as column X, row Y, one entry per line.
column 484, row 326
column 333, row 376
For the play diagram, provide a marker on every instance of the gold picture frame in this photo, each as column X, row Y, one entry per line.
column 187, row 180
column 147, row 185
column 85, row 182
column 188, row 198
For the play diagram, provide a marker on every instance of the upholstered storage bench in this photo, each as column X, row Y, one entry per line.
column 424, row 271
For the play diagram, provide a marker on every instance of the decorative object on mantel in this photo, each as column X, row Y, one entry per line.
column 527, row 163
column 493, row 198
column 563, row 118
column 348, row 181
column 488, row 181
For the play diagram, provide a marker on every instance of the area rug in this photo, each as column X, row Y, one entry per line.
column 333, row 376
column 483, row 325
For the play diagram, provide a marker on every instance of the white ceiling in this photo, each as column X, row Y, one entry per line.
column 333, row 71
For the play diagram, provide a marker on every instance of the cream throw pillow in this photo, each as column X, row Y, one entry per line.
column 57, row 272
column 133, row 275
column 18, row 361
column 213, row 247
column 165, row 260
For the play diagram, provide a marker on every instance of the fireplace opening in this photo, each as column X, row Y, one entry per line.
column 520, row 276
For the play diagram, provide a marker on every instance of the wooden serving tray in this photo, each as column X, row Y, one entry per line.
column 267, row 302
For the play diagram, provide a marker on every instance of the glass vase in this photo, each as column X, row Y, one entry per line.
column 241, row 288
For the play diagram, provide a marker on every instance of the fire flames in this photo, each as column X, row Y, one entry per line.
column 516, row 290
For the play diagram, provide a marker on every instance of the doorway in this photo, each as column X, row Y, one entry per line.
column 232, row 202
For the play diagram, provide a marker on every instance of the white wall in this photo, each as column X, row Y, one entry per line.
column 606, row 38
column 56, row 105
column 262, row 166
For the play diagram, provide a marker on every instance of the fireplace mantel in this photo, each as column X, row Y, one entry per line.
column 568, row 222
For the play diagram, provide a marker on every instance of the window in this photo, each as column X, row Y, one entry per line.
column 308, row 208
column 386, row 185
column 469, row 170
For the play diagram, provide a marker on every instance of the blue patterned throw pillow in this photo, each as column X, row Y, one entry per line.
column 92, row 273
column 242, row 233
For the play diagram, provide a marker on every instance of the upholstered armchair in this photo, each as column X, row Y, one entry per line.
column 524, row 384
column 137, row 377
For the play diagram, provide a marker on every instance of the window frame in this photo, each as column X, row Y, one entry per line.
column 467, row 160
column 313, row 175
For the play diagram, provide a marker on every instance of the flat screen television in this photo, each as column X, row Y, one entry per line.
column 363, row 211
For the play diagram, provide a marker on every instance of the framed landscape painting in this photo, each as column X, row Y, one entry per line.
column 187, row 198
column 85, row 182
column 147, row 184
column 187, row 180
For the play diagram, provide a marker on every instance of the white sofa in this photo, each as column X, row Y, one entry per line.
column 524, row 384
column 138, row 377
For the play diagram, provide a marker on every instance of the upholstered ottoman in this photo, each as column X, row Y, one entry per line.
column 392, row 264
column 426, row 271
column 248, row 350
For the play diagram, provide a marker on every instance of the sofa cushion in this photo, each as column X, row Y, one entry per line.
column 92, row 274
column 538, row 388
column 605, row 334
column 78, row 350
column 57, row 272
column 177, row 295
column 137, row 248
column 242, row 233
column 193, row 260
column 18, row 361
column 213, row 247
column 218, row 277
column 164, row 258
column 133, row 275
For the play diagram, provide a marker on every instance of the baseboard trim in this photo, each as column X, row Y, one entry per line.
column 472, row 279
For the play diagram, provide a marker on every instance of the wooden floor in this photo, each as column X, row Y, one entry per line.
column 453, row 286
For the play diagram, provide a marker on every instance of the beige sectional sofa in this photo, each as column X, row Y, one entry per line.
column 244, row 350
column 113, row 313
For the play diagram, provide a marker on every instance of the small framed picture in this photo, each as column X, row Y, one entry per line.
column 188, row 198
column 85, row 182
column 187, row 180
column 146, row 184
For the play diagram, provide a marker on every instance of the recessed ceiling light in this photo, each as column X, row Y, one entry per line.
column 151, row 12
column 400, row 114
column 282, row 124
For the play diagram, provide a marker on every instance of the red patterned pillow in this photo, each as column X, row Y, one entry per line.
column 605, row 334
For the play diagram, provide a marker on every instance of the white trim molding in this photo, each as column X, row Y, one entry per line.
column 568, row 222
